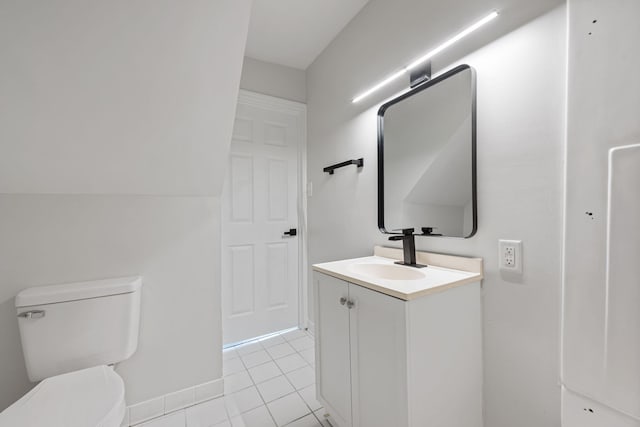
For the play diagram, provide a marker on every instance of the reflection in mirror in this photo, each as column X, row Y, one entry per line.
column 426, row 157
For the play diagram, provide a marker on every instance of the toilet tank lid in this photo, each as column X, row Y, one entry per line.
column 77, row 291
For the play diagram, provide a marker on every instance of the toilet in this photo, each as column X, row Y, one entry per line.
column 72, row 334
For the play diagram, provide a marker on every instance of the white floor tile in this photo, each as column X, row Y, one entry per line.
column 294, row 352
column 232, row 366
column 256, row 358
column 248, row 348
column 275, row 388
column 302, row 378
column 309, row 355
column 288, row 408
column 259, row 417
column 207, row 414
column 242, row 401
column 264, row 372
column 302, row 343
column 270, row 342
column 309, row 396
column 237, row 381
column 308, row 421
column 177, row 419
column 291, row 362
column 292, row 335
column 281, row 350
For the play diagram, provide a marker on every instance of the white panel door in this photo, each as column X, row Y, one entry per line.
column 260, row 273
column 333, row 367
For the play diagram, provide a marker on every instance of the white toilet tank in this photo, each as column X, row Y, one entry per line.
column 74, row 326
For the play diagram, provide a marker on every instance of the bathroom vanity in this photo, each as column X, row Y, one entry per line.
column 399, row 346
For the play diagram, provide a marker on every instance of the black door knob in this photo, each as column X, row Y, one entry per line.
column 291, row 232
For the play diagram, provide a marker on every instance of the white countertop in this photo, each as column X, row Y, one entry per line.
column 434, row 278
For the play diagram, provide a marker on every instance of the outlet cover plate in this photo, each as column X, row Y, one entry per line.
column 510, row 256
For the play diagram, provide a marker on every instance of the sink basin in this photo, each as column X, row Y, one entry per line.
column 387, row 271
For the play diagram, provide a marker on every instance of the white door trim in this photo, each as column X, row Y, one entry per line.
column 299, row 109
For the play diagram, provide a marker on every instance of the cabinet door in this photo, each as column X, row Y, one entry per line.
column 378, row 359
column 333, row 379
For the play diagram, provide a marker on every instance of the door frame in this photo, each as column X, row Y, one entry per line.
column 299, row 110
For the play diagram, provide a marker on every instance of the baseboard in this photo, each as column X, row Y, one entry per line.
column 171, row 402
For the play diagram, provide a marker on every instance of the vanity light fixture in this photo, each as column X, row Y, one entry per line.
column 426, row 57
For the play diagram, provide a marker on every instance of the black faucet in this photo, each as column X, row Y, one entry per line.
column 408, row 247
column 428, row 231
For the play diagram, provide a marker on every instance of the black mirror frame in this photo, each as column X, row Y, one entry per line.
column 434, row 81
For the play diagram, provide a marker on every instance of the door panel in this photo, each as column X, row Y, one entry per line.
column 333, row 382
column 241, row 194
column 277, row 266
column 278, row 189
column 242, row 302
column 260, row 288
column 378, row 339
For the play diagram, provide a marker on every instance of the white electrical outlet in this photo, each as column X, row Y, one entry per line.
column 510, row 255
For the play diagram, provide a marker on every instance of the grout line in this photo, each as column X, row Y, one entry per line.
column 295, row 390
column 176, row 411
column 254, row 385
column 285, row 378
column 264, row 403
column 294, row 387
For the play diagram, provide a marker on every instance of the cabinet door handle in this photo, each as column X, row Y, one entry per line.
column 350, row 304
column 343, row 301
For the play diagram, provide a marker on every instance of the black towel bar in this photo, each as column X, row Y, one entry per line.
column 359, row 163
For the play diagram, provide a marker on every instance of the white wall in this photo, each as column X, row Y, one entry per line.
column 603, row 111
column 274, row 79
column 521, row 120
column 115, row 122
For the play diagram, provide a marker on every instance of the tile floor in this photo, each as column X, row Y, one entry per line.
column 268, row 383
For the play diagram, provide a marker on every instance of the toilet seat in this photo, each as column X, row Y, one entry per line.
column 92, row 397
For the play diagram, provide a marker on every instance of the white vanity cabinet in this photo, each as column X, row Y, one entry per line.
column 382, row 361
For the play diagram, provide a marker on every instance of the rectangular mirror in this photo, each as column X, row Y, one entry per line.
column 427, row 158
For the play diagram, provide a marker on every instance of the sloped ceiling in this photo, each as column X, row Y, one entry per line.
column 294, row 32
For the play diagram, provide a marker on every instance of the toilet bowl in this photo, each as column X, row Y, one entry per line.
column 92, row 397
column 69, row 334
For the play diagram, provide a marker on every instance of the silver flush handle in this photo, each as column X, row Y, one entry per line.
column 33, row 314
